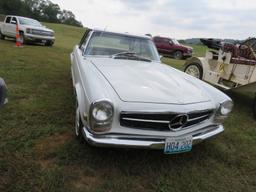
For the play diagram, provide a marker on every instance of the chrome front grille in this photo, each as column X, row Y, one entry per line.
column 42, row 33
column 161, row 121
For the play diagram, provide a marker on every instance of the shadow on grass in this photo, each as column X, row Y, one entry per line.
column 11, row 40
column 138, row 161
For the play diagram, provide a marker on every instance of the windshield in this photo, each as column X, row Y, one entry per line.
column 27, row 21
column 110, row 44
column 175, row 41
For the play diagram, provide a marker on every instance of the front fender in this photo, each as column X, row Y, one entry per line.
column 200, row 60
column 193, row 60
column 80, row 97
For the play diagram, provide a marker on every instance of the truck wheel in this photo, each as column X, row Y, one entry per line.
column 78, row 125
column 49, row 43
column 195, row 70
column 1, row 36
column 22, row 38
column 254, row 108
column 178, row 55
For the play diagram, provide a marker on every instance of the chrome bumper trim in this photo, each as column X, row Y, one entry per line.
column 150, row 142
column 33, row 37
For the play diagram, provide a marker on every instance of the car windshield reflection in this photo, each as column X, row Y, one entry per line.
column 111, row 44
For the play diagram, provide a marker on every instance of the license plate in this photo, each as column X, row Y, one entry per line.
column 178, row 145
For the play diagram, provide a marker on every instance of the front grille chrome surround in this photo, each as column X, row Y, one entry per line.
column 42, row 33
column 161, row 121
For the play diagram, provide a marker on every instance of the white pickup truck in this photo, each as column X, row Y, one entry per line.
column 30, row 30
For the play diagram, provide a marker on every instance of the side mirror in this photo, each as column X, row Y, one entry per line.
column 170, row 42
column 3, row 93
column 14, row 22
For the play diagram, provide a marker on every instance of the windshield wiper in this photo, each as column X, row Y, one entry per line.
column 123, row 53
column 130, row 55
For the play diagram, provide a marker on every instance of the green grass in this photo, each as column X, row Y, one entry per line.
column 38, row 151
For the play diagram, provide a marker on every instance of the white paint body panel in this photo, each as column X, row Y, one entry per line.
column 139, row 86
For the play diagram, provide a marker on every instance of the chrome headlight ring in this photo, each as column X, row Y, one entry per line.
column 224, row 109
column 101, row 115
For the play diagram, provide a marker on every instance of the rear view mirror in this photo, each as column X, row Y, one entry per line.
column 3, row 93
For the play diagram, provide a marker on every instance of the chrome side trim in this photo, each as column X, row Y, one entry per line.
column 169, row 112
column 201, row 117
column 145, row 120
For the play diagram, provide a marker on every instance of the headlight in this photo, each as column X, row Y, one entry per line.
column 29, row 30
column 101, row 116
column 224, row 109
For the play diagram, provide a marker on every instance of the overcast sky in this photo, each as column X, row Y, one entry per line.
column 173, row 18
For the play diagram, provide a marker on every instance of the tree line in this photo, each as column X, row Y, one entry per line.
column 42, row 10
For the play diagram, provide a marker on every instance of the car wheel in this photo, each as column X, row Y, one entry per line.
column 254, row 108
column 78, row 124
column 195, row 70
column 1, row 36
column 49, row 43
column 178, row 55
column 22, row 38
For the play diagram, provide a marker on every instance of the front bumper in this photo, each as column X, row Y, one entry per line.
column 39, row 38
column 150, row 142
column 187, row 54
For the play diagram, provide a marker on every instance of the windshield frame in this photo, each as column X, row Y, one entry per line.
column 155, row 52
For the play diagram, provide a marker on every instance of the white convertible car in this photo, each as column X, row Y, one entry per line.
column 127, row 98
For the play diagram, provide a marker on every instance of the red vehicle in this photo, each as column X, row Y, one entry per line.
column 171, row 47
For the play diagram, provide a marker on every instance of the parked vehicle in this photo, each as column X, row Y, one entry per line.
column 232, row 67
column 3, row 93
column 30, row 30
column 171, row 47
column 125, row 97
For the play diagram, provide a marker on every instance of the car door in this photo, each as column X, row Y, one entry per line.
column 6, row 25
column 166, row 46
column 12, row 27
column 172, row 47
column 159, row 44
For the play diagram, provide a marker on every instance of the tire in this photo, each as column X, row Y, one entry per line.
column 178, row 55
column 2, row 36
column 78, row 125
column 22, row 38
column 195, row 70
column 254, row 108
column 49, row 43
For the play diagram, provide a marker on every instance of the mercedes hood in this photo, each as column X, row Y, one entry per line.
column 149, row 82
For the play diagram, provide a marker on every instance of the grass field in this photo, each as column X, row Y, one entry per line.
column 39, row 153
